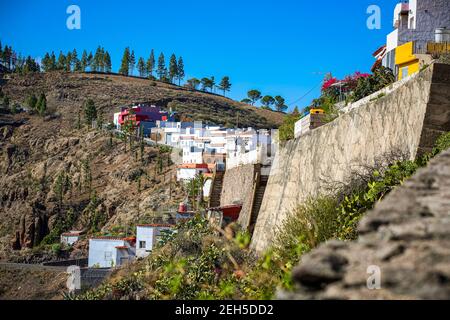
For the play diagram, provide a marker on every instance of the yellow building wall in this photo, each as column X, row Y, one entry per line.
column 405, row 58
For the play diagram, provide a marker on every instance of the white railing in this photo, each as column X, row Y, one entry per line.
column 302, row 126
column 236, row 159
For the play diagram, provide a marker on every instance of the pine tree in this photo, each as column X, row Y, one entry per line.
column 192, row 83
column 150, row 65
column 90, row 111
column 31, row 102
column 254, row 96
column 161, row 71
column 125, row 64
column 132, row 62
column 225, row 84
column 141, row 67
column 107, row 62
column 180, row 69
column 90, row 60
column 280, row 104
column 75, row 60
column 68, row 66
column 213, row 84
column 101, row 59
column 41, row 105
column 97, row 61
column 46, row 63
column 207, row 83
column 53, row 61
column 267, row 102
column 84, row 61
column 173, row 67
column 61, row 64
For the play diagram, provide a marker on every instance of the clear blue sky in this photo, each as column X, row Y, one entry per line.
column 277, row 47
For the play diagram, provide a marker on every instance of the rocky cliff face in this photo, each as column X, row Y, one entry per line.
column 34, row 154
column 405, row 240
column 401, row 124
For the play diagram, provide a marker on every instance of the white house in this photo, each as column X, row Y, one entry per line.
column 188, row 171
column 116, row 120
column 147, row 237
column 69, row 238
column 108, row 252
column 192, row 155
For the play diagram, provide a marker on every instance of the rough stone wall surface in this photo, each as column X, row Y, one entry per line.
column 309, row 165
column 431, row 14
column 406, row 236
column 238, row 188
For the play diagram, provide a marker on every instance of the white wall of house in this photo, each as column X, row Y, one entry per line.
column 207, row 188
column 236, row 159
column 116, row 120
column 192, row 155
column 144, row 240
column 147, row 239
column 103, row 252
column 302, row 126
column 189, row 173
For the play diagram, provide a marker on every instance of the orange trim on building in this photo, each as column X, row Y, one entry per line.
column 193, row 166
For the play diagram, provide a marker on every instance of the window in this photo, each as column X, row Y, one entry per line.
column 142, row 244
column 108, row 255
column 404, row 72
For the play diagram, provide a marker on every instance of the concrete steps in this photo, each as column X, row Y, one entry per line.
column 216, row 191
column 257, row 201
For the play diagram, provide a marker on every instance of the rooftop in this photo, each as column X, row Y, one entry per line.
column 153, row 225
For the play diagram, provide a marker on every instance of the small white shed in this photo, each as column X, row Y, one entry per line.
column 147, row 237
column 108, row 252
column 69, row 238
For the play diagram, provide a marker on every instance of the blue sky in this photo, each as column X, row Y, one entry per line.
column 279, row 47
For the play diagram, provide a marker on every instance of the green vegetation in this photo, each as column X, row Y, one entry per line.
column 381, row 78
column 267, row 101
column 286, row 130
column 225, row 84
column 41, row 105
column 90, row 112
column 195, row 263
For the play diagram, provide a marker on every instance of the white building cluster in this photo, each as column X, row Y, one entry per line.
column 207, row 148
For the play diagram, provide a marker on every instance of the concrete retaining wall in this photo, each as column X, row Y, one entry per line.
column 406, row 121
column 237, row 187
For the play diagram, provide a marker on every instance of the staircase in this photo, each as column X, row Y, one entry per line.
column 257, row 201
column 216, row 191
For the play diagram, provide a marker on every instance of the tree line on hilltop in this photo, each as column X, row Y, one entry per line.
column 152, row 68
column 268, row 102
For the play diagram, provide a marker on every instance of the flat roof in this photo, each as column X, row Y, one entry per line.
column 168, row 225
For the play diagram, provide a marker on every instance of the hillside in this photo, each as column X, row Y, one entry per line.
column 66, row 92
column 104, row 184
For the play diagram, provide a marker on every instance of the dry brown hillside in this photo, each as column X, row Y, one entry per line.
column 66, row 92
column 107, row 185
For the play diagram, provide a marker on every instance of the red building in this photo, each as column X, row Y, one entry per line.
column 142, row 113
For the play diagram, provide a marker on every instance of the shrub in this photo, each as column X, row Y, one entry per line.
column 309, row 224
column 286, row 130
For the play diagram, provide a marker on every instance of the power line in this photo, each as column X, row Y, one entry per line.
column 315, row 87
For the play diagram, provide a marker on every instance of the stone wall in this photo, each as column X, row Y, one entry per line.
column 405, row 239
column 431, row 14
column 405, row 121
column 238, row 188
